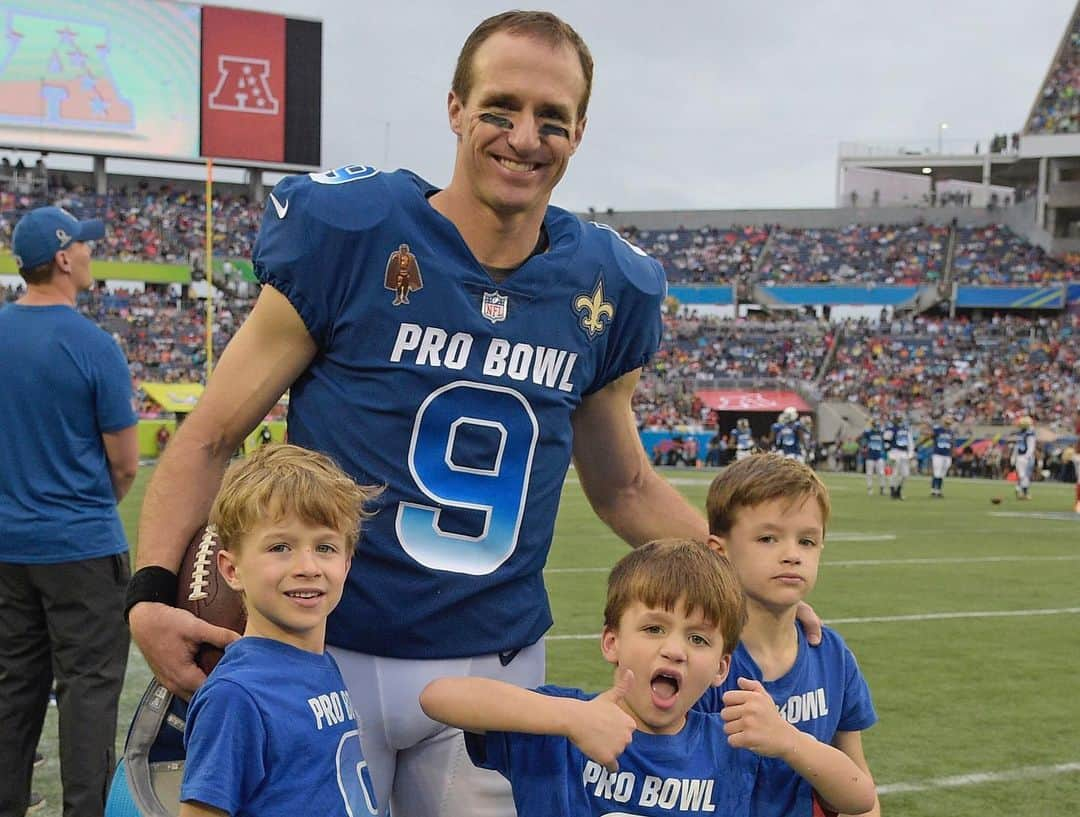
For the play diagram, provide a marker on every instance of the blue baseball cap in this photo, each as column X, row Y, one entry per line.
column 43, row 232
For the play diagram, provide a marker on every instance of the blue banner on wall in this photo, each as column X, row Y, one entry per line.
column 1073, row 294
column 1011, row 297
column 702, row 294
column 827, row 294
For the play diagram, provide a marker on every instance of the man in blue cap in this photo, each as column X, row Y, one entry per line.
column 68, row 454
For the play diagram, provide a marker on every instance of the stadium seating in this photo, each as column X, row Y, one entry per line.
column 994, row 255
column 1057, row 109
column 988, row 371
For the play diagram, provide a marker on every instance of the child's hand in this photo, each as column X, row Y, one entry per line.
column 751, row 721
column 601, row 728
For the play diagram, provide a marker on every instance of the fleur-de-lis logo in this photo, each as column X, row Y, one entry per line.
column 596, row 313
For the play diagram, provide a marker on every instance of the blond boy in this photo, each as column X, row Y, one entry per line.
column 272, row 731
column 674, row 611
column 768, row 515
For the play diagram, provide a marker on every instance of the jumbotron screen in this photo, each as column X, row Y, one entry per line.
column 117, row 77
column 145, row 78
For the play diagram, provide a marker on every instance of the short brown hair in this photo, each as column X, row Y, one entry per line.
column 280, row 479
column 542, row 25
column 666, row 571
column 41, row 274
column 762, row 478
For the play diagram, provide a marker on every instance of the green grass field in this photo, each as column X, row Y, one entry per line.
column 963, row 614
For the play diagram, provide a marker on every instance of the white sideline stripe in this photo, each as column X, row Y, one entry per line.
column 887, row 619
column 977, row 778
column 1053, row 516
column 948, row 560
column 942, row 560
column 1051, row 611
column 855, row 536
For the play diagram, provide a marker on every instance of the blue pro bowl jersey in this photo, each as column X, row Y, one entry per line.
column 822, row 694
column 693, row 772
column 453, row 391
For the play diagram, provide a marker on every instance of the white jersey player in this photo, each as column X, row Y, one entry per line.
column 1023, row 457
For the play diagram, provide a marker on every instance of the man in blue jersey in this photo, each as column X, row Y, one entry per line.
column 742, row 439
column 511, row 343
column 943, row 440
column 1024, row 447
column 873, row 445
column 789, row 435
column 900, row 445
column 68, row 454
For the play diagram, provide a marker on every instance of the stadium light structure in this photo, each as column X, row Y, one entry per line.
column 941, row 128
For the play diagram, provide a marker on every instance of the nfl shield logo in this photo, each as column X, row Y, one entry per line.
column 493, row 307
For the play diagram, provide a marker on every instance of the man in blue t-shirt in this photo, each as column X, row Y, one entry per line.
column 459, row 346
column 68, row 455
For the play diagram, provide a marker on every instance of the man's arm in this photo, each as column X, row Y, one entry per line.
column 599, row 727
column 850, row 743
column 122, row 453
column 265, row 356
column 621, row 485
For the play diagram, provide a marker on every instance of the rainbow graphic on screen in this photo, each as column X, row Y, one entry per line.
column 118, row 77
column 57, row 75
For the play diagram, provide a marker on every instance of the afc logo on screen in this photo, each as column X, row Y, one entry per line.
column 243, row 85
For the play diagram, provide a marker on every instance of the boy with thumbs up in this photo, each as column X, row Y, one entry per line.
column 673, row 615
column 801, row 709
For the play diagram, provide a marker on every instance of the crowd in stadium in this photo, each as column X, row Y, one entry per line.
column 1057, row 109
column 1029, row 366
column 705, row 256
column 994, row 255
column 144, row 224
column 166, row 224
column 856, row 254
column 989, row 371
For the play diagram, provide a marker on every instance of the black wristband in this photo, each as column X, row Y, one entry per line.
column 152, row 583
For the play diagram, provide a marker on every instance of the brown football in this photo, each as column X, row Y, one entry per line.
column 202, row 590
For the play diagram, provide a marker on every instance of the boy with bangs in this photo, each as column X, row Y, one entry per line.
column 673, row 614
column 272, row 731
column 768, row 515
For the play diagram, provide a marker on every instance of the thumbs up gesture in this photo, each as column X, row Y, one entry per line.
column 751, row 721
column 602, row 729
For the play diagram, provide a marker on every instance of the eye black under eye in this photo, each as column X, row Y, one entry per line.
column 497, row 121
column 554, row 130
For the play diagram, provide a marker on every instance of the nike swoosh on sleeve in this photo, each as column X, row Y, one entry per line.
column 282, row 209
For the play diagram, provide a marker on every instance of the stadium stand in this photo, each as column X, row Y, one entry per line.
column 858, row 253
column 915, row 364
column 708, row 255
column 994, row 255
column 1057, row 109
